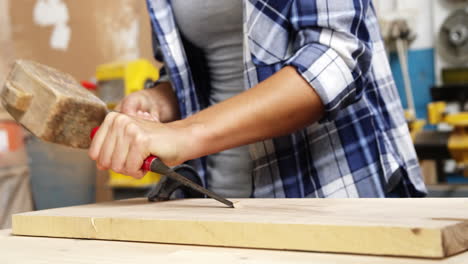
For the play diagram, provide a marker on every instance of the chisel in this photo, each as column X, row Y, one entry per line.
column 152, row 163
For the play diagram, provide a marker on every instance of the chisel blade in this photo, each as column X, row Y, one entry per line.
column 159, row 167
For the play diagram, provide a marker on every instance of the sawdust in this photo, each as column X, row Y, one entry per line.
column 237, row 204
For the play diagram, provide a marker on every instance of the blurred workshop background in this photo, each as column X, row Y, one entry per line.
column 106, row 45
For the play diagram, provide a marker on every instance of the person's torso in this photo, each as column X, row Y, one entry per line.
column 351, row 156
column 215, row 27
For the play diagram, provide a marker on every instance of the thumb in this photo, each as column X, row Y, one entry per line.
column 128, row 107
column 146, row 116
column 155, row 114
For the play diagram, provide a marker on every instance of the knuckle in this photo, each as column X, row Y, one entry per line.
column 117, row 167
column 109, row 119
column 132, row 168
column 129, row 173
column 125, row 106
column 111, row 116
column 104, row 163
column 138, row 175
column 92, row 154
column 131, row 129
column 102, row 167
column 140, row 140
column 120, row 120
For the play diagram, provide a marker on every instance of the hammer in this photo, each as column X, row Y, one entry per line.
column 53, row 106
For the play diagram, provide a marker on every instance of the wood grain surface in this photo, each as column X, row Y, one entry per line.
column 40, row 250
column 432, row 228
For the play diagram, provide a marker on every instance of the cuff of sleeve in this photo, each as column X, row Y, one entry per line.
column 328, row 75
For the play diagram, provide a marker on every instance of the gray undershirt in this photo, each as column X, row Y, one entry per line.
column 215, row 26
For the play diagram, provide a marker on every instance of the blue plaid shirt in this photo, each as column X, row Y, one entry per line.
column 361, row 147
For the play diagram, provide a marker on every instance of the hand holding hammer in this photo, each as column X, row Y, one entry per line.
column 53, row 106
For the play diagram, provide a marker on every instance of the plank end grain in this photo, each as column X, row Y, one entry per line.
column 455, row 237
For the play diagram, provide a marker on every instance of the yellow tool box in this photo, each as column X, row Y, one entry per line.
column 458, row 140
column 415, row 125
column 115, row 81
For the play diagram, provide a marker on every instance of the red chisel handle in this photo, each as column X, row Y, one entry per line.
column 146, row 164
column 161, row 168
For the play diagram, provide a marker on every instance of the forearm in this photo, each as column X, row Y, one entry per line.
column 283, row 103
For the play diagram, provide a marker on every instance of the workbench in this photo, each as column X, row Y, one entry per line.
column 31, row 250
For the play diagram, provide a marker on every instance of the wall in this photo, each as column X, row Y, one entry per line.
column 75, row 37
column 6, row 46
column 15, row 189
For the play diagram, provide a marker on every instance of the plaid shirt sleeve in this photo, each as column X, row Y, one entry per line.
column 329, row 53
column 159, row 56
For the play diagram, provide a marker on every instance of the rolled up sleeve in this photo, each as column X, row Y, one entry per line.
column 330, row 50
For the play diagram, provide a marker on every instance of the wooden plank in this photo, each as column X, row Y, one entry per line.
column 32, row 250
column 432, row 228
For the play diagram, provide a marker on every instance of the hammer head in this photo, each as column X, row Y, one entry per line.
column 51, row 104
